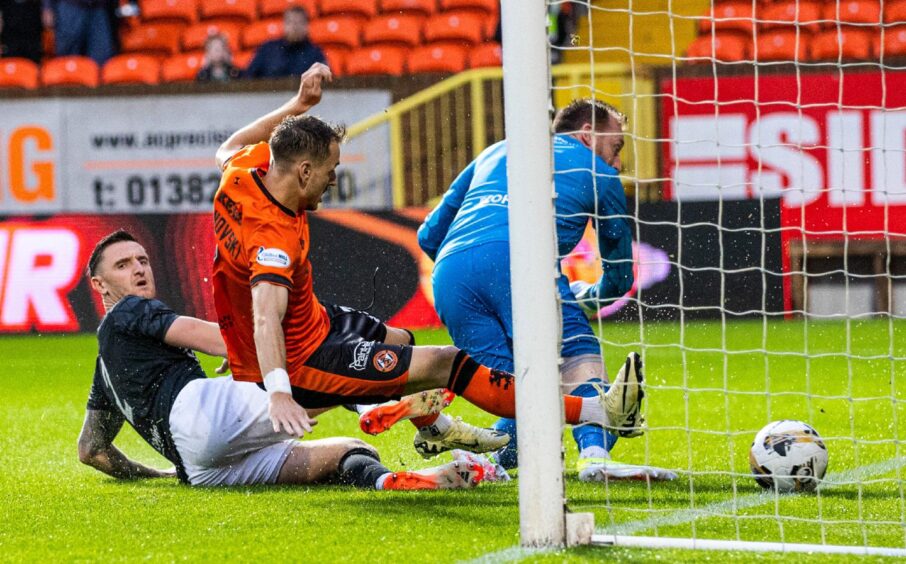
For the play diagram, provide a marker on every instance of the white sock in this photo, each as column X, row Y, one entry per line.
column 437, row 429
column 594, row 452
column 379, row 484
column 593, row 412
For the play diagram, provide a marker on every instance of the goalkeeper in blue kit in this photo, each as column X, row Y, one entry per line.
column 467, row 235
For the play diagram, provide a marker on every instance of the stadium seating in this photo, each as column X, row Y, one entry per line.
column 260, row 32
column 239, row 11
column 70, row 71
column 727, row 48
column 729, row 16
column 195, row 36
column 895, row 11
column 442, row 57
column 242, row 59
column 402, row 31
column 362, row 9
column 376, row 60
column 336, row 60
column 854, row 11
column 169, row 11
column 131, row 69
column 461, row 27
column 788, row 14
column 486, row 55
column 16, row 72
column 489, row 6
column 414, row 7
column 182, row 67
column 782, row 45
column 274, row 8
column 336, row 32
column 159, row 39
column 894, row 42
column 848, row 43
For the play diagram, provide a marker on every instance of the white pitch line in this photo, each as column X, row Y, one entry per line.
column 834, row 480
column 721, row 508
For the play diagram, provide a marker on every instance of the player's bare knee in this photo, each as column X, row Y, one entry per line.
column 358, row 444
column 397, row 336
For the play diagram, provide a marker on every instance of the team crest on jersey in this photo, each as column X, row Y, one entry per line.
column 385, row 361
column 360, row 355
column 272, row 257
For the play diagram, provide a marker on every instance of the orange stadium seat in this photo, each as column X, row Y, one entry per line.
column 895, row 11
column 489, row 6
column 785, row 15
column 272, row 8
column 376, row 60
column 404, row 31
column 363, row 9
column 850, row 43
column 160, row 39
column 854, row 11
column 131, row 69
column 16, row 72
column 343, row 32
column 169, row 11
column 260, row 32
column 416, row 7
column 239, row 11
column 182, row 67
column 195, row 36
column 455, row 27
column 70, row 71
column 336, row 60
column 440, row 57
column 486, row 55
column 782, row 45
column 727, row 48
column 243, row 59
column 894, row 42
column 729, row 16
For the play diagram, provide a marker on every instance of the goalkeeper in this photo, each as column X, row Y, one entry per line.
column 467, row 235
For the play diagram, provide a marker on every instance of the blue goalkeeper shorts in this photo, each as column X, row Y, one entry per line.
column 472, row 296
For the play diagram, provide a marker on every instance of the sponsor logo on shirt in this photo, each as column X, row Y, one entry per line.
column 272, row 257
column 360, row 355
column 494, row 200
column 385, row 360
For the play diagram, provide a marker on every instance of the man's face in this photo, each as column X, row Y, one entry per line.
column 295, row 27
column 321, row 176
column 124, row 270
column 606, row 142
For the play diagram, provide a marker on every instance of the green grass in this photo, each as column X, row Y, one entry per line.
column 703, row 408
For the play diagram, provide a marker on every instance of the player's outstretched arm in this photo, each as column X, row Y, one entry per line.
column 96, row 448
column 306, row 98
column 197, row 335
column 269, row 302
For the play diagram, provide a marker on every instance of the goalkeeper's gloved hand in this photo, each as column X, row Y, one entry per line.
column 585, row 296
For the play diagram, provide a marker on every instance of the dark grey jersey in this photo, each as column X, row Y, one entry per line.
column 138, row 374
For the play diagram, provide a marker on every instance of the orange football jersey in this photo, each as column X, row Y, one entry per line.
column 260, row 240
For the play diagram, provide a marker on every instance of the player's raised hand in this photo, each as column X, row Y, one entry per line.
column 288, row 415
column 310, row 85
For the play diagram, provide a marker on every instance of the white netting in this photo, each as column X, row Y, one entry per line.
column 765, row 166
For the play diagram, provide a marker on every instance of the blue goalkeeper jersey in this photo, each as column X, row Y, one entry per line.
column 474, row 210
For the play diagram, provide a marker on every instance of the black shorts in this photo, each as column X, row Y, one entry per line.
column 352, row 365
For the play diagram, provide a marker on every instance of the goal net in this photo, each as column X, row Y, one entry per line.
column 765, row 174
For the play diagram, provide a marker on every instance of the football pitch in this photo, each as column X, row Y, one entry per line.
column 703, row 408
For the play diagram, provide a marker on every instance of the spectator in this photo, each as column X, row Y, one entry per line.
column 84, row 27
column 21, row 29
column 218, row 61
column 290, row 56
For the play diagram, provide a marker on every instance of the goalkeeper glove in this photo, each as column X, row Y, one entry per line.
column 585, row 296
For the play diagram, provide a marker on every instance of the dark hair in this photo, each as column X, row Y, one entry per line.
column 587, row 110
column 304, row 136
column 296, row 10
column 116, row 237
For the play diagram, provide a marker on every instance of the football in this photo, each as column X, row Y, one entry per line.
column 788, row 456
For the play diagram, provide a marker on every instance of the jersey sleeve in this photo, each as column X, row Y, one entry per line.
column 97, row 398
column 144, row 317
column 274, row 252
column 434, row 230
column 250, row 156
column 614, row 232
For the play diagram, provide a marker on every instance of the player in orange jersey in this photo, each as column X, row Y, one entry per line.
column 275, row 170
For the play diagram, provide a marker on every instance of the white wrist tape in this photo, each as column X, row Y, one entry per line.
column 277, row 380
